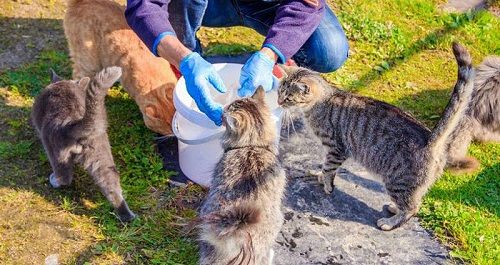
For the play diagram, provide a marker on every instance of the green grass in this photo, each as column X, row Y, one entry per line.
column 400, row 53
column 155, row 238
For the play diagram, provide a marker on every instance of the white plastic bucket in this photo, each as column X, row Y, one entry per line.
column 199, row 138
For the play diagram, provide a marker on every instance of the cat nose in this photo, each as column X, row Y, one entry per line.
column 280, row 101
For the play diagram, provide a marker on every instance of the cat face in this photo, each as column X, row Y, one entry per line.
column 248, row 119
column 298, row 88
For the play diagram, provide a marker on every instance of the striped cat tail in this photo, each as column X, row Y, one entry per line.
column 230, row 221
column 457, row 106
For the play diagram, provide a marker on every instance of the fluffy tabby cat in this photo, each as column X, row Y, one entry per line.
column 98, row 36
column 70, row 118
column 241, row 216
column 482, row 121
column 384, row 139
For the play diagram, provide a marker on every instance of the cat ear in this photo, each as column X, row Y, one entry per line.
column 259, row 94
column 231, row 122
column 285, row 70
column 84, row 82
column 54, row 77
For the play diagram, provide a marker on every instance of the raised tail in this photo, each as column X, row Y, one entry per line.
column 227, row 231
column 456, row 108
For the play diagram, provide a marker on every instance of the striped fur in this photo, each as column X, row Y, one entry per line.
column 241, row 216
column 383, row 138
column 482, row 121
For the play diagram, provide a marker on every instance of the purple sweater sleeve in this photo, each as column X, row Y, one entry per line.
column 294, row 23
column 149, row 20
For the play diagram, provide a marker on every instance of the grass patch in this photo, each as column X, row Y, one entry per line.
column 155, row 238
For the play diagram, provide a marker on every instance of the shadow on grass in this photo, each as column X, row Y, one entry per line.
column 27, row 37
column 482, row 192
column 427, row 105
column 429, row 41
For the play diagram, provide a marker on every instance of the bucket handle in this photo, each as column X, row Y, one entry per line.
column 175, row 129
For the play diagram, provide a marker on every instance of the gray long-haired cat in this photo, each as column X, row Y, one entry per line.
column 381, row 137
column 482, row 120
column 70, row 118
column 241, row 217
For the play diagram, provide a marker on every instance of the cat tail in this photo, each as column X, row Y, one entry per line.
column 230, row 234
column 454, row 112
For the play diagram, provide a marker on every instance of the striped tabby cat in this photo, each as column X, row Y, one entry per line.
column 241, row 217
column 381, row 137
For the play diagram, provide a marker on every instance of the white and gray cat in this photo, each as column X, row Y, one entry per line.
column 241, row 216
column 70, row 118
column 388, row 142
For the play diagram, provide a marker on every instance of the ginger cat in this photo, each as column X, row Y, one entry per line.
column 99, row 36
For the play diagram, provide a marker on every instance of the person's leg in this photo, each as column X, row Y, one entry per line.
column 185, row 17
column 327, row 49
column 221, row 13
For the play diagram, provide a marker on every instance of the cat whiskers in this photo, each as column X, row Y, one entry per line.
column 161, row 139
column 287, row 117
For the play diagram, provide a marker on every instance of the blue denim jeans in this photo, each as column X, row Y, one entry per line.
column 325, row 51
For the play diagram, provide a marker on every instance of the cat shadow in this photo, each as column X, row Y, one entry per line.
column 347, row 175
column 308, row 196
column 481, row 192
column 353, row 198
column 435, row 101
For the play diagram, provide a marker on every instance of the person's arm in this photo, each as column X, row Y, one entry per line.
column 149, row 20
column 294, row 23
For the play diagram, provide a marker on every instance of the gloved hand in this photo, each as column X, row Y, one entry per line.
column 258, row 70
column 201, row 76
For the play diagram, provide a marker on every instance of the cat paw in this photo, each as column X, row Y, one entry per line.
column 384, row 224
column 271, row 257
column 53, row 181
column 328, row 188
column 124, row 213
column 388, row 224
column 392, row 208
column 107, row 77
column 318, row 174
column 125, row 218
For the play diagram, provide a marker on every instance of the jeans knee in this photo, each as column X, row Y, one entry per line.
column 327, row 49
column 331, row 57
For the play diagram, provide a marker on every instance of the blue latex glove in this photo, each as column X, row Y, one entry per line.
column 257, row 71
column 201, row 76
